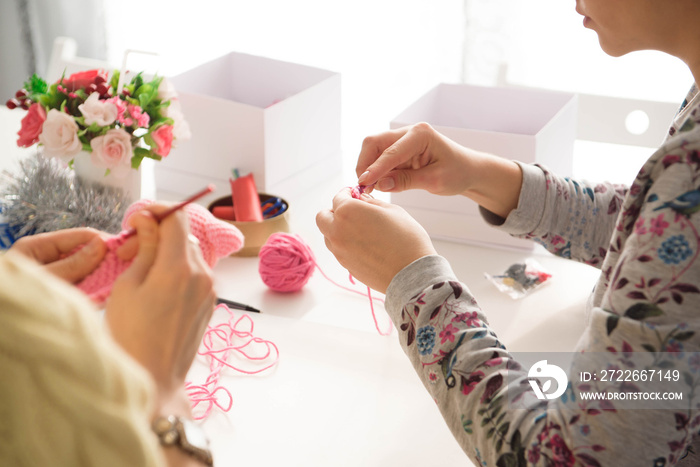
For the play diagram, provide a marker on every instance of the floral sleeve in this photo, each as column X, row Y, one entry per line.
column 645, row 315
column 467, row 370
column 570, row 218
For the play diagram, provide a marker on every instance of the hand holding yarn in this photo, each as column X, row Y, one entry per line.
column 287, row 263
column 53, row 250
column 372, row 239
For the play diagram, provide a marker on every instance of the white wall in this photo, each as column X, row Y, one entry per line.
column 80, row 19
column 14, row 69
column 388, row 51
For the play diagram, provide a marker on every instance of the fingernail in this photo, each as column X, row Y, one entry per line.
column 363, row 176
column 385, row 184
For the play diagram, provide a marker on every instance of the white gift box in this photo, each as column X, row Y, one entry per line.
column 277, row 120
column 520, row 124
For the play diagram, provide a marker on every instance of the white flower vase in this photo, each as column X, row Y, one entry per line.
column 137, row 184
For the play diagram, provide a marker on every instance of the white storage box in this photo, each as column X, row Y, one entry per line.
column 525, row 125
column 278, row 120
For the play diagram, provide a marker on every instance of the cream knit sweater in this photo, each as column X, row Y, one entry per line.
column 69, row 396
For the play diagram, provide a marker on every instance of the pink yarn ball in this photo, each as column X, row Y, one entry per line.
column 286, row 262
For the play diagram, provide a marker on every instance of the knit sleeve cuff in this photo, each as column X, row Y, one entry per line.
column 531, row 204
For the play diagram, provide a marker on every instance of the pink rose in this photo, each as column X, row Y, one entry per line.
column 96, row 111
column 163, row 139
column 121, row 107
column 59, row 135
column 31, row 126
column 113, row 151
column 83, row 79
column 141, row 117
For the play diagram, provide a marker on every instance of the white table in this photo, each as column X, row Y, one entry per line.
column 341, row 394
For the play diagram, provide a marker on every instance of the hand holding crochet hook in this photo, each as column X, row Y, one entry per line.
column 160, row 305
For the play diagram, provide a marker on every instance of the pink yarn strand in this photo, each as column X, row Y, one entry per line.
column 235, row 336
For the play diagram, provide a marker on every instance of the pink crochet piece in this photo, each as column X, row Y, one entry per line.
column 217, row 239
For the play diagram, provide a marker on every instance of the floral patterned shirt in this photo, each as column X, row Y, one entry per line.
column 646, row 241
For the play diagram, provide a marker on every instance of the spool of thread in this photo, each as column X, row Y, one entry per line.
column 246, row 203
column 286, row 262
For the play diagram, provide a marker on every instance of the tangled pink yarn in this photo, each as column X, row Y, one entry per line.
column 286, row 262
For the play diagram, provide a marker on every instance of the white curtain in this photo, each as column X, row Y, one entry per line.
column 27, row 31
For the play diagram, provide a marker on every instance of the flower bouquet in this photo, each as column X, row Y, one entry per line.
column 88, row 115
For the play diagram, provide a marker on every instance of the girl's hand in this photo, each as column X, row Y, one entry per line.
column 372, row 239
column 418, row 157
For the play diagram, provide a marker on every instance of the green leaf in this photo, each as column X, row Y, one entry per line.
column 96, row 128
column 611, row 323
column 640, row 311
column 115, row 79
column 649, row 348
column 684, row 336
column 139, row 154
column 516, row 441
column 500, row 418
column 161, row 121
column 508, row 459
column 499, row 444
column 155, row 82
column 503, row 429
column 36, row 85
column 145, row 94
column 490, row 433
column 466, row 425
column 137, row 81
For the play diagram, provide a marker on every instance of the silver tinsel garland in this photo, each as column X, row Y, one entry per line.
column 44, row 196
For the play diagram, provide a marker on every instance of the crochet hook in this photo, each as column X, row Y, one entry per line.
column 159, row 217
column 236, row 305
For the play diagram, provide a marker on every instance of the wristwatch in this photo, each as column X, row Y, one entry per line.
column 185, row 434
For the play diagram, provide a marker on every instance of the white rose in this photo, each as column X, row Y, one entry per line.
column 181, row 129
column 59, row 136
column 113, row 151
column 96, row 111
column 166, row 90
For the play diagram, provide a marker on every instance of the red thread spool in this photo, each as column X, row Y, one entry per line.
column 286, row 262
